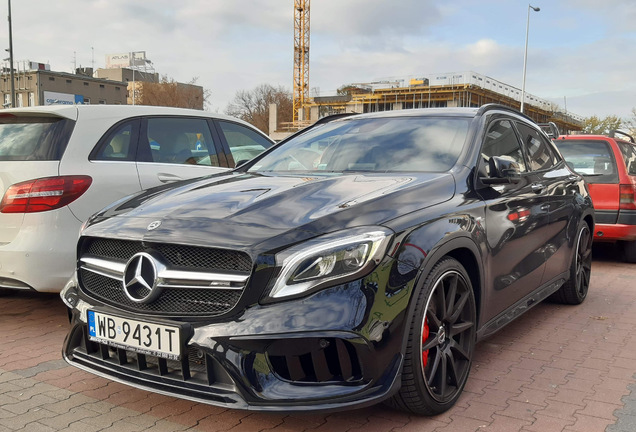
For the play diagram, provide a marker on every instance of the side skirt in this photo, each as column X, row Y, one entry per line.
column 522, row 306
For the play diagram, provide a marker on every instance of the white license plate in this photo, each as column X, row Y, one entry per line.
column 142, row 337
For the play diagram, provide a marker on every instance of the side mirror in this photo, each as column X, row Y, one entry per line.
column 241, row 162
column 502, row 171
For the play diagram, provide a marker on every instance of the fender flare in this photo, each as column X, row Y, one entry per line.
column 459, row 241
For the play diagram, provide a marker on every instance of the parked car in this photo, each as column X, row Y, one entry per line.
column 608, row 163
column 60, row 164
column 357, row 262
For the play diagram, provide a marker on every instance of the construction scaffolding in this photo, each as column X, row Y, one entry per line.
column 466, row 89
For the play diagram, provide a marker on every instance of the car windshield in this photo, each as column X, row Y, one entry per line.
column 33, row 138
column 372, row 144
column 592, row 159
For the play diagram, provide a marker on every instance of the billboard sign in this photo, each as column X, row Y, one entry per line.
column 55, row 98
column 124, row 60
column 115, row 61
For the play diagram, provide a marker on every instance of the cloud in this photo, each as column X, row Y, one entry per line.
column 577, row 48
column 416, row 59
column 374, row 19
column 600, row 104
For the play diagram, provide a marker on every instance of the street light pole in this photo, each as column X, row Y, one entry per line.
column 525, row 56
column 134, row 65
column 133, row 84
column 11, row 59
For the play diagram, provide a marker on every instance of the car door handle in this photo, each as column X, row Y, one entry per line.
column 168, row 178
column 537, row 187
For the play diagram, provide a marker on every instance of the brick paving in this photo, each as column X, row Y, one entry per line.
column 556, row 369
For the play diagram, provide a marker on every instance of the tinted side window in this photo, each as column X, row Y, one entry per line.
column 119, row 144
column 501, row 140
column 540, row 155
column 33, row 138
column 180, row 141
column 244, row 143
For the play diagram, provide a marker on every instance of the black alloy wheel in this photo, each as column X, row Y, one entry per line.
column 574, row 290
column 441, row 342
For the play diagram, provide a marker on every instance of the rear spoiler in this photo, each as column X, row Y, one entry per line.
column 613, row 133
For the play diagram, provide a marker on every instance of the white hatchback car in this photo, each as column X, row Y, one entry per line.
column 60, row 164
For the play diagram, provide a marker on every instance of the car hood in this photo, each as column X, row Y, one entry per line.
column 240, row 210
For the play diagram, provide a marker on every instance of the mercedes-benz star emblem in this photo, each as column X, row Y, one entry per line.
column 153, row 225
column 140, row 278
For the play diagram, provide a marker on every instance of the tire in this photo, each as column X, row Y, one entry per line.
column 629, row 251
column 574, row 290
column 441, row 342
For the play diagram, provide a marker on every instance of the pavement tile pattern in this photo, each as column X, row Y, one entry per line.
column 556, row 369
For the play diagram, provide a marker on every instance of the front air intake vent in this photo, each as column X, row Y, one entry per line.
column 316, row 360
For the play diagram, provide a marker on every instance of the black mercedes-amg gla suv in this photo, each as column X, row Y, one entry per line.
column 357, row 262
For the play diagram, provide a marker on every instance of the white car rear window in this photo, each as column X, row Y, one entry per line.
column 33, row 138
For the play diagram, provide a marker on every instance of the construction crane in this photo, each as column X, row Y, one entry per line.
column 301, row 56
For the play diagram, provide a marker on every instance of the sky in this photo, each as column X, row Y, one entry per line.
column 580, row 52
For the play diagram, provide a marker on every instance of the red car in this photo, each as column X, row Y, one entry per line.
column 609, row 166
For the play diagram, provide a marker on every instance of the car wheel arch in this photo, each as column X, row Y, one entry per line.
column 463, row 249
column 589, row 219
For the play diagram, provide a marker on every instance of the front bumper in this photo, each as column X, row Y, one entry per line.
column 336, row 349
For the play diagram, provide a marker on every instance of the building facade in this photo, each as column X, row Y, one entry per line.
column 40, row 86
column 35, row 84
column 127, row 75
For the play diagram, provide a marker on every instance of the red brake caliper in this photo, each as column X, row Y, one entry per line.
column 425, row 333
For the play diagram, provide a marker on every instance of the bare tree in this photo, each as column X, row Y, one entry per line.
column 253, row 105
column 168, row 92
column 631, row 122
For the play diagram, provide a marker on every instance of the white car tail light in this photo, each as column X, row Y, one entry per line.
column 43, row 194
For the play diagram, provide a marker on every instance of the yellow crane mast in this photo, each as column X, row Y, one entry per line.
column 301, row 56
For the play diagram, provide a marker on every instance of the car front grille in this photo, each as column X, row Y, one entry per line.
column 175, row 299
column 193, row 257
column 185, row 302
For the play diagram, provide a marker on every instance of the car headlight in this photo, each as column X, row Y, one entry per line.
column 333, row 258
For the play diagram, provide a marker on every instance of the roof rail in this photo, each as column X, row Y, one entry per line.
column 493, row 106
column 613, row 133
